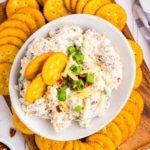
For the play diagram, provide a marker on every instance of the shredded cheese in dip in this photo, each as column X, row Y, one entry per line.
column 101, row 61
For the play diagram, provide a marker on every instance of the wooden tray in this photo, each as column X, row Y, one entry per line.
column 141, row 139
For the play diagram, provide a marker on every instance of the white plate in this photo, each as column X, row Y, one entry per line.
column 15, row 143
column 118, row 99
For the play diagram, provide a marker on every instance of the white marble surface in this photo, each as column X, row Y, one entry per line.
column 5, row 124
column 127, row 5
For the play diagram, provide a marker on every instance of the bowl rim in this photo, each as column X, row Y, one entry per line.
column 22, row 50
column 4, row 141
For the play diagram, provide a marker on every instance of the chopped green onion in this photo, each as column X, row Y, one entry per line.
column 105, row 91
column 71, row 49
column 76, row 69
column 61, row 95
column 89, row 78
column 84, row 125
column 78, row 108
column 78, row 118
column 78, row 57
column 78, row 84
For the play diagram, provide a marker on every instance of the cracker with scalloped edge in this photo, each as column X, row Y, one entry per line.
column 113, row 132
column 67, row 5
column 104, row 141
column 113, row 13
column 95, row 145
column 123, row 128
column 8, row 53
column 73, row 4
column 76, row 145
column 36, row 89
column 15, row 24
column 87, row 146
column 80, row 5
column 92, row 6
column 4, row 78
column 35, row 66
column 11, row 40
column 20, row 126
column 13, row 5
column 138, row 53
column 53, row 144
column 133, row 110
column 25, row 19
column 51, row 8
column 68, row 145
column 34, row 13
column 81, row 145
column 129, row 121
column 14, row 32
column 39, row 140
column 138, row 78
column 53, row 67
column 137, row 99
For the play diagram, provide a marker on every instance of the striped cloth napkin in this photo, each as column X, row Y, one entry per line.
column 142, row 17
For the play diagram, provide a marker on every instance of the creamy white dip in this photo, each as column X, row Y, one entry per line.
column 100, row 60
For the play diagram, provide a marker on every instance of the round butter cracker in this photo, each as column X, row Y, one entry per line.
column 13, row 5
column 113, row 13
column 4, row 78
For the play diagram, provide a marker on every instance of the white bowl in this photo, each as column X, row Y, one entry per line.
column 119, row 96
column 5, row 142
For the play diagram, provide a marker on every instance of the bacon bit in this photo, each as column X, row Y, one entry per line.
column 60, row 83
column 59, row 108
column 12, row 132
column 93, row 102
column 118, row 79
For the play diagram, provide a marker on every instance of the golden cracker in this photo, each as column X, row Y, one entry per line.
column 95, row 146
column 34, row 13
column 104, row 141
column 53, row 144
column 11, row 40
column 76, row 145
column 138, row 53
column 80, row 5
column 113, row 132
column 35, row 66
column 8, row 53
column 133, row 110
column 13, row 5
column 67, row 5
column 51, row 8
column 20, row 126
column 68, row 145
column 31, row 24
column 15, row 24
column 53, row 67
column 113, row 13
column 35, row 90
column 4, row 78
column 129, row 121
column 39, row 140
column 137, row 99
column 81, row 145
column 73, row 4
column 138, row 78
column 87, row 146
column 123, row 128
column 14, row 32
column 92, row 6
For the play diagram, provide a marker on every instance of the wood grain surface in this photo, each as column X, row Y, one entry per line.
column 141, row 139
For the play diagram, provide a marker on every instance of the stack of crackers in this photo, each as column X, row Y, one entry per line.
column 24, row 17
